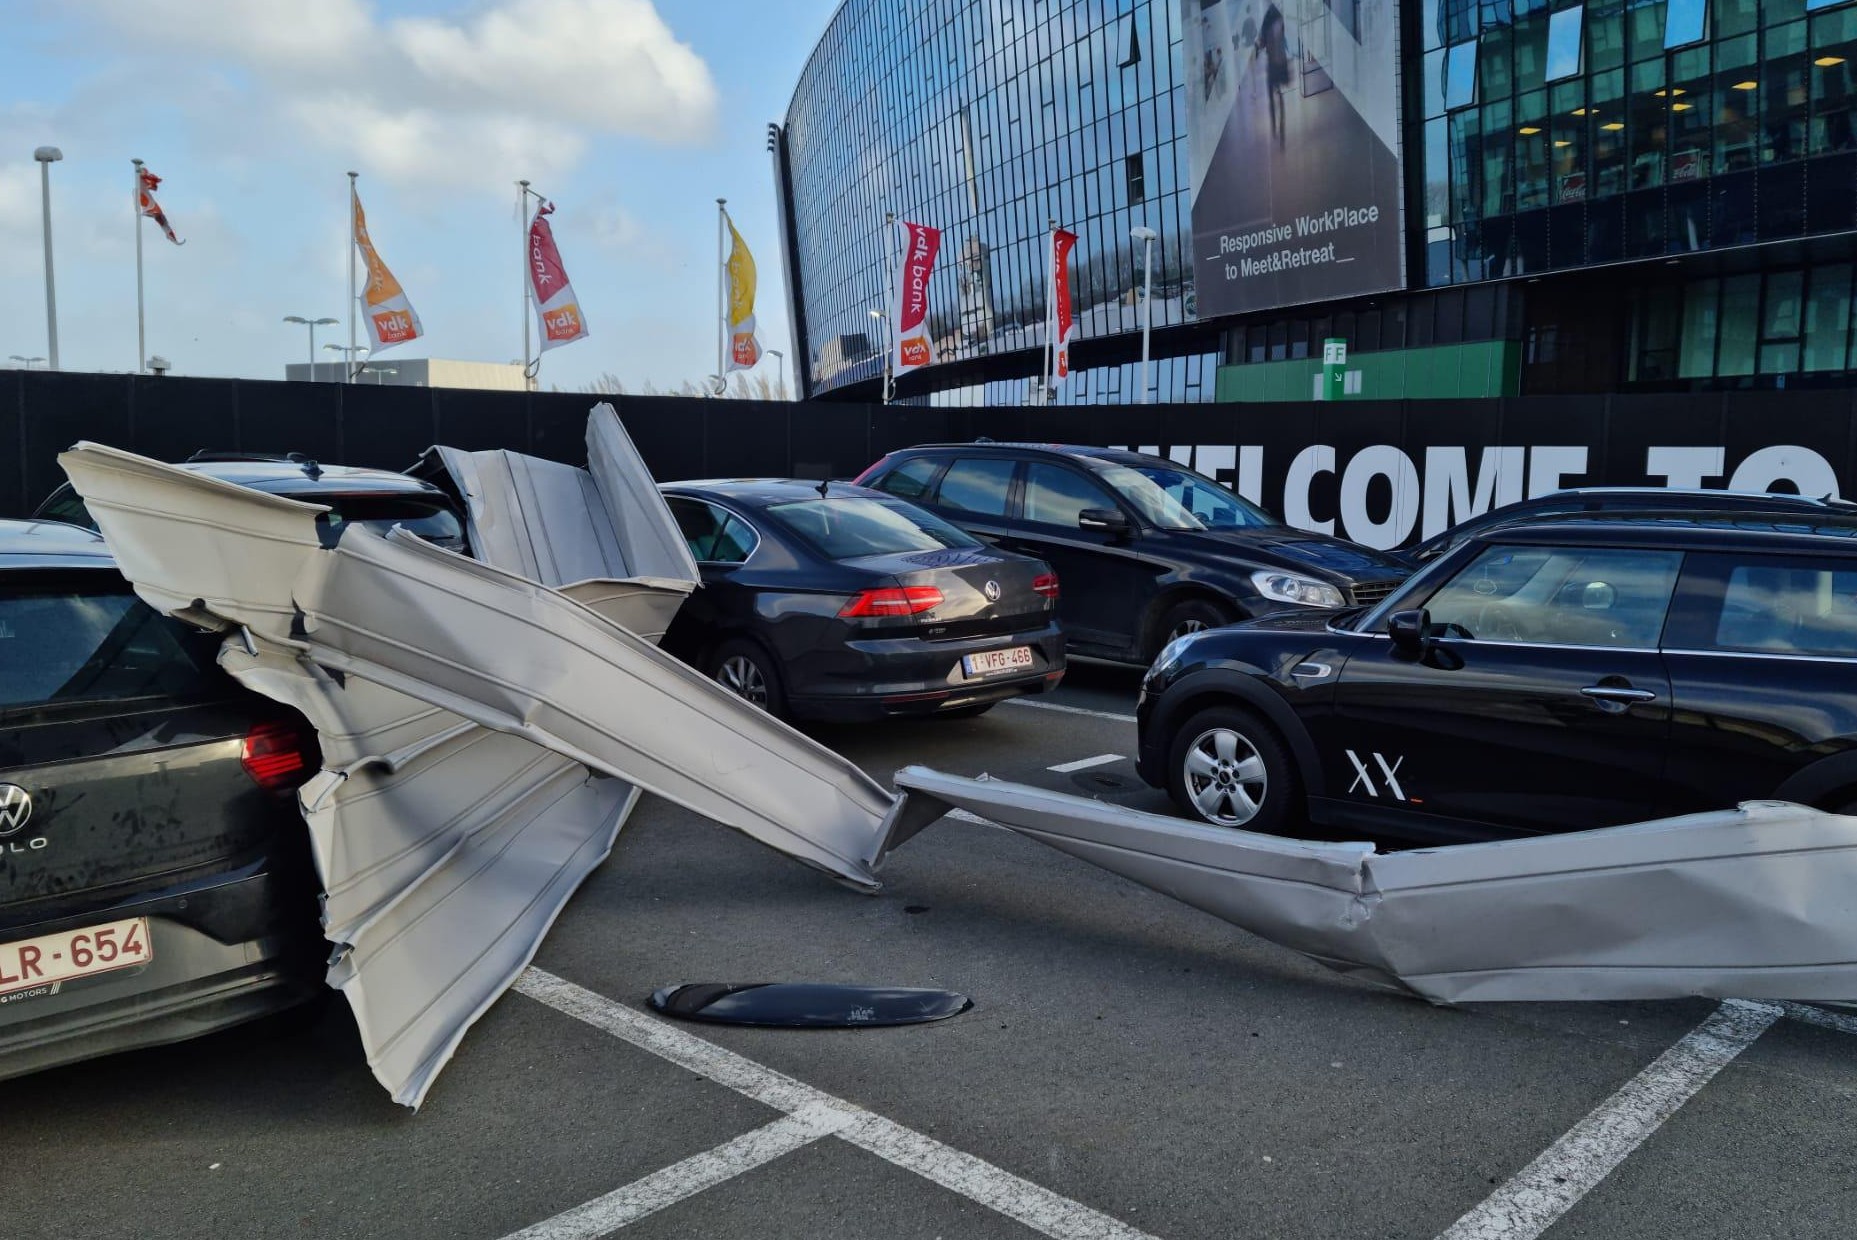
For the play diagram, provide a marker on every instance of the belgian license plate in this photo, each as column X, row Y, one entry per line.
column 55, row 958
column 991, row 662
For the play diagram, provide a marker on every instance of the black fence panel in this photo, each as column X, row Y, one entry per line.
column 1380, row 472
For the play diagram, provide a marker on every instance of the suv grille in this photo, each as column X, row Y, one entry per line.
column 1367, row 592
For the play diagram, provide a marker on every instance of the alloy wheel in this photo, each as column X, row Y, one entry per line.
column 1225, row 777
column 739, row 675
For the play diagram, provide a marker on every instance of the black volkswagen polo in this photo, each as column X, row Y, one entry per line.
column 828, row 601
column 1559, row 676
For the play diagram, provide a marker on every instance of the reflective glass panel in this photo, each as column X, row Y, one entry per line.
column 1564, row 43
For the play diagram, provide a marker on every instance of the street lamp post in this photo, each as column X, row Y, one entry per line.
column 47, row 156
column 312, row 324
column 349, row 353
column 783, row 370
column 28, row 362
column 1147, row 238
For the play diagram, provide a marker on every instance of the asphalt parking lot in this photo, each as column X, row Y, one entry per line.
column 1131, row 1067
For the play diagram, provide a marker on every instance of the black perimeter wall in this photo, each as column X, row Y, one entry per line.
column 168, row 418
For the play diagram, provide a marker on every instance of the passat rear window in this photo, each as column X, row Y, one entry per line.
column 855, row 526
column 429, row 520
column 61, row 642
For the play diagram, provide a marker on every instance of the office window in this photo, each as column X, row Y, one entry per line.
column 1740, row 328
column 1131, row 43
column 1696, row 359
column 1564, row 43
column 1137, row 182
column 1460, row 75
column 1686, row 22
column 1834, row 64
column 1828, row 318
column 1813, row 6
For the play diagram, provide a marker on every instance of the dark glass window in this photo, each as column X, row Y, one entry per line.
column 714, row 535
column 1137, row 182
column 1834, row 61
column 64, row 641
column 1828, row 318
column 1055, row 495
column 978, row 485
column 1776, row 605
column 1781, row 320
column 850, row 527
column 1740, row 326
column 911, row 479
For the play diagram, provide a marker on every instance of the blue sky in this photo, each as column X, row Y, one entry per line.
column 633, row 115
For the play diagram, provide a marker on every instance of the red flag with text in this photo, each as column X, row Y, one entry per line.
column 555, row 305
column 912, row 342
column 1063, row 322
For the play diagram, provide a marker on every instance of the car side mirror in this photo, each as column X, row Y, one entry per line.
column 1109, row 521
column 1410, row 630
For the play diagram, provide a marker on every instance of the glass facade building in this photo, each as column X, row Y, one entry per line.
column 1603, row 195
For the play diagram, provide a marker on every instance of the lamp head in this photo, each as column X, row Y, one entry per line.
column 295, row 318
column 1143, row 233
column 48, row 154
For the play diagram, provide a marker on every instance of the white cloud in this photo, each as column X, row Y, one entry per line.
column 517, row 88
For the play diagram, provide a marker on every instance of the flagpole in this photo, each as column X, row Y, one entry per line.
column 522, row 222
column 135, row 203
column 889, row 317
column 348, row 374
column 1050, row 358
column 722, row 296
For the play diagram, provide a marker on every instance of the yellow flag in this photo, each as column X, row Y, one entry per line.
column 744, row 349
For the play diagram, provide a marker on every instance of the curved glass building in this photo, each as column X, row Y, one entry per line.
column 1468, row 197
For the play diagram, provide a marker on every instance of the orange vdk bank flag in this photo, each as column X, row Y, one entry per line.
column 744, row 349
column 389, row 315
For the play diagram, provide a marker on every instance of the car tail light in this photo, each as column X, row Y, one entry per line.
column 893, row 601
column 278, row 756
column 1045, row 584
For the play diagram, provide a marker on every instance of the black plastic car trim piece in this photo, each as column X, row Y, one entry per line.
column 807, row 1005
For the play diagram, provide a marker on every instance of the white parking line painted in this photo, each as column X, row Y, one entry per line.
column 1084, row 764
column 1068, row 710
column 1573, row 1166
column 604, row 1215
column 1038, row 1208
column 1810, row 1015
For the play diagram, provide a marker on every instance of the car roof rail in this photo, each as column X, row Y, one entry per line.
column 307, row 462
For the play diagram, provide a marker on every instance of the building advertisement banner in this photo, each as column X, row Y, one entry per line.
column 1293, row 124
column 909, row 299
column 389, row 316
column 1063, row 318
column 556, row 307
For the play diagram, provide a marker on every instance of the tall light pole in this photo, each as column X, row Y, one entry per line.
column 47, row 156
column 783, row 370
column 26, row 361
column 312, row 324
column 1147, row 237
column 349, row 353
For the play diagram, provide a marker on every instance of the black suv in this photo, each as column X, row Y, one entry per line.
column 375, row 497
column 1145, row 550
column 1559, row 676
column 155, row 873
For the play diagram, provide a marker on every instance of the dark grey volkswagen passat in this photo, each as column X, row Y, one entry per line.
column 833, row 602
column 155, row 875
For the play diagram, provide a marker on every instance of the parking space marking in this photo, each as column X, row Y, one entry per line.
column 1573, row 1166
column 604, row 1215
column 1084, row 764
column 1029, row 704
column 1807, row 1014
column 1020, row 1200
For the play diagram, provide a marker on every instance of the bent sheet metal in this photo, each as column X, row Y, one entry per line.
column 1758, row 902
column 483, row 736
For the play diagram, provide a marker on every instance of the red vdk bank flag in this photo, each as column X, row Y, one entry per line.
column 145, row 202
column 1063, row 322
column 909, row 300
column 555, row 306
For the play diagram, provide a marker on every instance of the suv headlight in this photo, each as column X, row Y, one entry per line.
column 1292, row 588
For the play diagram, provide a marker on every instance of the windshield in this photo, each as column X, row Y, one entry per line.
column 854, row 526
column 1179, row 499
column 428, row 519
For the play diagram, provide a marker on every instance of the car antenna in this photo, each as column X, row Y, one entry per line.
column 823, row 484
column 310, row 468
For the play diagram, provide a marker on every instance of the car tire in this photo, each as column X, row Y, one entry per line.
column 1189, row 616
column 1226, row 767
column 744, row 668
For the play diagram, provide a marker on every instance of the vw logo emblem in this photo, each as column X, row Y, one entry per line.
column 15, row 808
column 991, row 590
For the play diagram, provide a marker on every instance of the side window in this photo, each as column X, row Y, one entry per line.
column 1789, row 607
column 1567, row 596
column 1055, row 495
column 67, row 505
column 911, row 479
column 713, row 535
column 978, row 485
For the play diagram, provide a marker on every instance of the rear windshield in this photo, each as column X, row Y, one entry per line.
column 62, row 642
column 429, row 519
column 855, row 526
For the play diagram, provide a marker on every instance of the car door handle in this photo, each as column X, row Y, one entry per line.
column 1614, row 693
